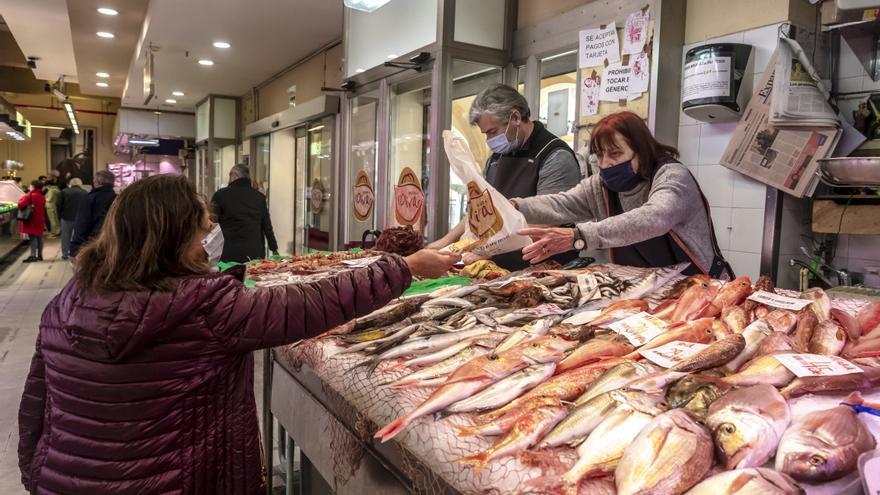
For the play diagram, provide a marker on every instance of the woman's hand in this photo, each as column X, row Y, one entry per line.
column 429, row 263
column 469, row 257
column 547, row 241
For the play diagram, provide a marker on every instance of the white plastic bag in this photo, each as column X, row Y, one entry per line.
column 492, row 221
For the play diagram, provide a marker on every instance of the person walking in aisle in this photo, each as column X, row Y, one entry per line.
column 142, row 380
column 68, row 205
column 34, row 225
column 243, row 216
column 90, row 216
column 53, row 196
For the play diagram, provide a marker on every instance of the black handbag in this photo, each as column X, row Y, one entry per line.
column 25, row 214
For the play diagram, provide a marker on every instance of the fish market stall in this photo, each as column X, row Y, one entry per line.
column 566, row 381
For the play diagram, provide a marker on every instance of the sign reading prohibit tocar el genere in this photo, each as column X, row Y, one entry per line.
column 483, row 218
column 363, row 196
column 409, row 199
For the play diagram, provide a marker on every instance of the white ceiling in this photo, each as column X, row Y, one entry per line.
column 266, row 36
column 42, row 29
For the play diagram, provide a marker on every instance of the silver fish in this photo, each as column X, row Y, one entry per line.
column 752, row 481
column 615, row 378
column 504, row 390
column 455, row 302
column 529, row 331
column 431, row 343
column 441, row 369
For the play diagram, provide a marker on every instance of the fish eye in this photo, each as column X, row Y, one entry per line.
column 817, row 460
column 493, row 357
column 728, row 428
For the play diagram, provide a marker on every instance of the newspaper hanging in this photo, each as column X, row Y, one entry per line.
column 781, row 157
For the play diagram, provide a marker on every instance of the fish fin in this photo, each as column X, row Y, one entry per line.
column 477, row 461
column 392, row 429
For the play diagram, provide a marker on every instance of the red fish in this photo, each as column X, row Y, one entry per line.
column 619, row 310
column 731, row 294
column 592, row 351
column 736, row 318
column 699, row 331
column 869, row 317
column 849, row 323
column 781, row 320
column 692, row 302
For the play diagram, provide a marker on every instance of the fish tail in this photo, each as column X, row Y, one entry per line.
column 392, row 429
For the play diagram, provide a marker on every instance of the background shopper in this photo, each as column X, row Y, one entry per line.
column 243, row 215
column 34, row 226
column 90, row 216
column 53, row 196
column 68, row 205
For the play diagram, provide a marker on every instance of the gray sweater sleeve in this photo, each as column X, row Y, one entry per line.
column 559, row 172
column 571, row 206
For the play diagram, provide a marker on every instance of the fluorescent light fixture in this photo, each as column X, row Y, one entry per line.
column 107, row 11
column 316, row 128
column 391, row 56
column 71, row 116
column 205, row 61
column 360, row 71
column 101, row 84
column 54, row 127
column 157, row 112
column 221, row 44
column 170, row 100
column 143, row 142
column 105, row 34
column 365, row 5
column 177, row 93
column 102, row 75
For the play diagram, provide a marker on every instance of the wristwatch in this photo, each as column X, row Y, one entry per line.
column 579, row 242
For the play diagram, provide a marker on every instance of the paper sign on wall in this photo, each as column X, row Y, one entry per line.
column 363, row 196
column 590, row 94
column 816, row 365
column 635, row 32
column 615, row 83
column 597, row 45
column 409, row 199
column 639, row 75
column 669, row 355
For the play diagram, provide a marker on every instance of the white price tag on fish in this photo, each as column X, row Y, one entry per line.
column 360, row 262
column 668, row 355
column 588, row 285
column 640, row 328
column 547, row 310
column 779, row 301
column 817, row 365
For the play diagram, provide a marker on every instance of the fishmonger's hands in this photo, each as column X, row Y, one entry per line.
column 546, row 242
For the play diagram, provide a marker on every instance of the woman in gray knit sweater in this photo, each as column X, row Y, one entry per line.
column 643, row 206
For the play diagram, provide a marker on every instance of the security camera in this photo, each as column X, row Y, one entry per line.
column 32, row 62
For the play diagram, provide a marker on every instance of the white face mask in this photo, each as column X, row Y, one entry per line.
column 213, row 244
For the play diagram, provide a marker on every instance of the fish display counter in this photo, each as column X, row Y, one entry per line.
column 603, row 380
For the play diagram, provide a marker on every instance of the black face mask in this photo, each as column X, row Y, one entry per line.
column 619, row 178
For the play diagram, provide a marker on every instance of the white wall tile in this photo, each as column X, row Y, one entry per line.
column 764, row 41
column 865, row 247
column 849, row 63
column 717, row 185
column 748, row 229
column 713, row 140
column 745, row 264
column 689, row 144
column 721, row 222
column 747, row 192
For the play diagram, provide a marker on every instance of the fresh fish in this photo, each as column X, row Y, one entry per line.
column 699, row 331
column 390, row 314
column 600, row 453
column 781, row 320
column 869, row 317
column 765, row 369
column 394, row 334
column 692, row 302
column 806, row 325
column 531, row 330
column 720, row 329
column 477, row 375
column 431, row 343
column 488, row 340
column 775, row 342
column 504, row 423
column 868, row 379
column 731, row 294
column 747, row 424
column 694, row 395
column 581, row 333
column 867, row 346
column 615, row 378
column 821, row 304
column 645, row 287
column 442, row 368
column 824, row 445
column 454, row 292
column 566, row 386
column 754, row 334
column 455, row 302
column 752, row 481
column 764, row 283
column 718, row 353
column 828, row 338
column 594, row 350
column 670, row 455
column 736, row 318
column 365, row 336
column 504, row 390
column 676, row 290
column 849, row 323
column 617, row 311
column 656, row 382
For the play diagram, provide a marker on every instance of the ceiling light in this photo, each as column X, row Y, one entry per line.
column 107, row 11
column 143, row 141
column 360, row 71
column 205, row 61
column 71, row 116
column 177, row 93
column 158, row 113
column 102, row 74
column 391, row 56
column 105, row 34
column 101, row 84
column 221, row 44
column 364, row 5
column 171, row 101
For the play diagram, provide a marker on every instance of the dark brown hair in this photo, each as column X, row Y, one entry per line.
column 145, row 239
column 652, row 154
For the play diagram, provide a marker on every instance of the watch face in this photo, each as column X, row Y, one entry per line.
column 579, row 244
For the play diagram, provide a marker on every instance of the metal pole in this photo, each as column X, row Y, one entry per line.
column 288, row 471
column 267, row 418
column 772, row 227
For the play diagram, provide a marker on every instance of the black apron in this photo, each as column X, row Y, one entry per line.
column 516, row 176
column 666, row 249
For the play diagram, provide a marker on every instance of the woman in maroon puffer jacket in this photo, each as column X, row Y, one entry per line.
column 142, row 380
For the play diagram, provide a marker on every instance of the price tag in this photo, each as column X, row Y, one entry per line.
column 817, row 365
column 547, row 310
column 668, row 355
column 640, row 328
column 360, row 262
column 587, row 283
column 778, row 301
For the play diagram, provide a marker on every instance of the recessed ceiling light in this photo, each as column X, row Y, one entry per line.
column 205, row 61
column 221, row 44
column 177, row 93
column 107, row 11
column 102, row 75
column 360, row 71
column 105, row 34
column 101, row 84
column 391, row 56
column 158, row 113
column 170, row 100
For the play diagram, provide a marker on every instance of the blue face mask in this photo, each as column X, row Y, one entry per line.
column 619, row 178
column 499, row 144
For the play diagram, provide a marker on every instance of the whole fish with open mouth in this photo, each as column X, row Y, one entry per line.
column 754, row 334
column 828, row 338
column 478, row 374
column 747, row 425
column 502, row 391
column 671, row 454
column 694, row 395
column 595, row 350
column 751, row 481
column 731, row 294
column 824, row 445
column 868, row 379
column 765, row 369
column 718, row 353
column 615, row 378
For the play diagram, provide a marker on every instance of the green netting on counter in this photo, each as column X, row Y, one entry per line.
column 428, row 286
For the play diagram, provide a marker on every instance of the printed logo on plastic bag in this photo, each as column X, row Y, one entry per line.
column 482, row 216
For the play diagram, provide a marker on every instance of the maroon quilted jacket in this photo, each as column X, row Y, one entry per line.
column 152, row 392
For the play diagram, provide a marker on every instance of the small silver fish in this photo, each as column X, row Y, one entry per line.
column 504, row 390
